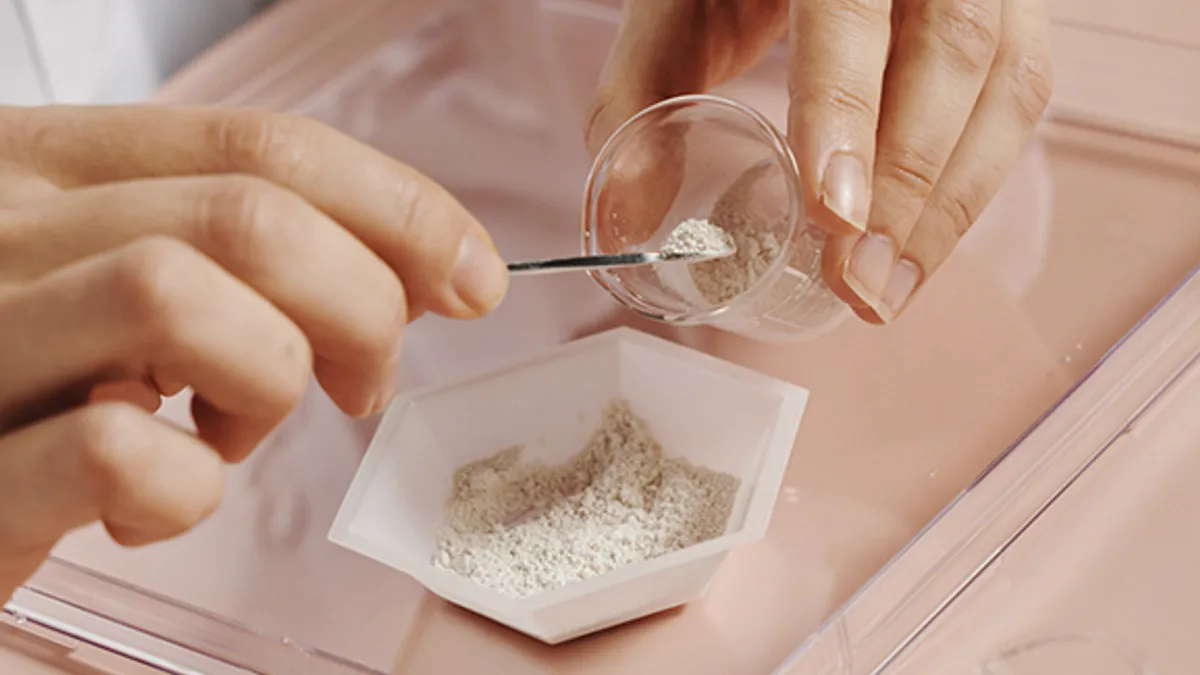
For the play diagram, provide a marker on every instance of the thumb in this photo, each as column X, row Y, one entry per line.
column 669, row 48
column 664, row 49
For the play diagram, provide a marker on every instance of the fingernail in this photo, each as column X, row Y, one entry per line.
column 870, row 266
column 480, row 276
column 844, row 190
column 900, row 286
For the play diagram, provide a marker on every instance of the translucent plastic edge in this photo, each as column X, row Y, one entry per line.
column 793, row 400
column 892, row 610
column 1090, row 60
column 317, row 39
column 157, row 632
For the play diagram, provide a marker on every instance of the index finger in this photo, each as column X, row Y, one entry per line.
column 838, row 52
column 446, row 259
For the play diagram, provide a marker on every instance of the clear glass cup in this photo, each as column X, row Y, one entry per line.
column 709, row 157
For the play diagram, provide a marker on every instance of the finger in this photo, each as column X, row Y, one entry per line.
column 112, row 462
column 639, row 182
column 445, row 258
column 939, row 62
column 134, row 392
column 644, row 175
column 835, row 251
column 838, row 51
column 348, row 302
column 676, row 47
column 1013, row 101
column 19, row 184
column 156, row 307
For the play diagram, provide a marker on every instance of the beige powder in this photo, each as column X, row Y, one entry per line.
column 523, row 528
column 798, row 296
column 696, row 236
column 755, row 237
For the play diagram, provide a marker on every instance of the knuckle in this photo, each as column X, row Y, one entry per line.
column 410, row 198
column 960, row 211
column 1031, row 85
column 812, row 103
column 152, row 283
column 737, row 31
column 966, row 31
column 245, row 216
column 914, row 171
column 429, row 231
column 110, row 439
column 119, row 452
column 294, row 369
column 291, row 388
column 263, row 142
column 844, row 100
column 858, row 12
column 187, row 506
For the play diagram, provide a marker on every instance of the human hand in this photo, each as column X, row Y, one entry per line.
column 905, row 116
column 148, row 249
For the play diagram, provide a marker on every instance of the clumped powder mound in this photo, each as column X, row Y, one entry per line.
column 696, row 236
column 523, row 528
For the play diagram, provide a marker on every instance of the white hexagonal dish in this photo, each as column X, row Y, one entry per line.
column 714, row 413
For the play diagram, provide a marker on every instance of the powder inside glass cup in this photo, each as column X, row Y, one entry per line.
column 757, row 241
column 798, row 295
column 522, row 528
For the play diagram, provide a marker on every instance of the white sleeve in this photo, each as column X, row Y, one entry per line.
column 20, row 83
column 105, row 51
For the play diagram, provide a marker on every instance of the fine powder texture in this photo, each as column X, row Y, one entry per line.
column 523, row 528
column 756, row 242
column 696, row 236
column 798, row 297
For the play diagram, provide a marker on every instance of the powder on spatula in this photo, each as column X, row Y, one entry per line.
column 696, row 236
column 523, row 528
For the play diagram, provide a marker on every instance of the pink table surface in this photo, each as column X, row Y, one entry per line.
column 1089, row 232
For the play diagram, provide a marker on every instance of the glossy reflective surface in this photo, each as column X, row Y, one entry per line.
column 1090, row 231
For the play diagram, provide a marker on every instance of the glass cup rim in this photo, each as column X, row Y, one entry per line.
column 782, row 155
